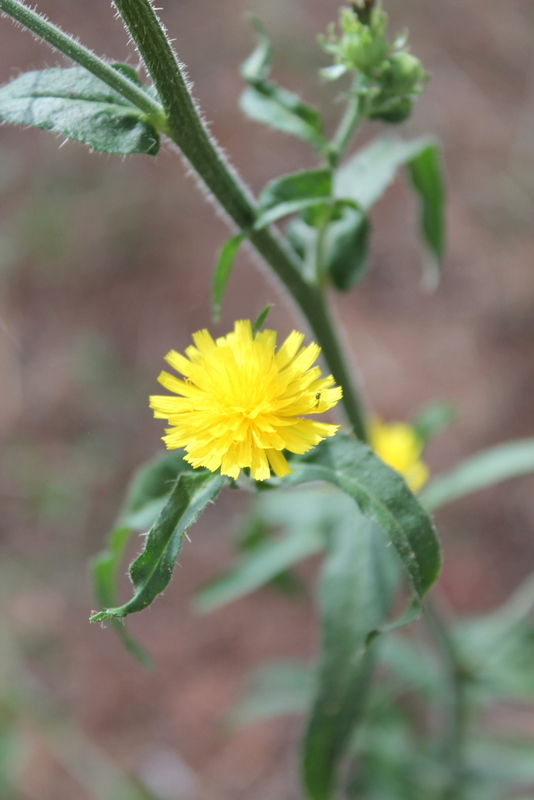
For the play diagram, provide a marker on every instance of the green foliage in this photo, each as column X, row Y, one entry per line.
column 433, row 419
column 382, row 496
column 345, row 249
column 277, row 689
column 264, row 101
column 152, row 570
column 480, row 471
column 292, row 193
column 355, row 596
column 80, row 106
column 223, row 270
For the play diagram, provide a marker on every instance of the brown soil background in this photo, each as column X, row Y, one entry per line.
column 105, row 264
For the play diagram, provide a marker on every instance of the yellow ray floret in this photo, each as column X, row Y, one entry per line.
column 399, row 445
column 241, row 402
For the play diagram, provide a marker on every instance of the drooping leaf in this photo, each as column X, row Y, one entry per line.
column 365, row 177
column 292, row 193
column 480, row 471
column 355, row 596
column 257, row 66
column 277, row 689
column 264, row 101
column 152, row 570
column 77, row 104
column 223, row 270
column 426, row 177
column 346, row 249
column 258, row 566
column 147, row 494
column 382, row 496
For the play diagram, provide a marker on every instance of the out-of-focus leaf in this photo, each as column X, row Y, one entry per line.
column 411, row 664
column 480, row 471
column 257, row 66
column 258, row 566
column 432, row 419
column 426, row 176
column 382, row 496
column 365, row 177
column 292, row 193
column 279, row 108
column 77, row 104
column 346, row 249
column 277, row 689
column 152, row 570
column 355, row 596
column 503, row 761
column 223, row 270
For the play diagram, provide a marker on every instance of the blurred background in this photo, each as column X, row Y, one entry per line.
column 105, row 264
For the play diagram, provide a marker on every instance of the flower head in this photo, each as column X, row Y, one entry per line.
column 399, row 445
column 242, row 401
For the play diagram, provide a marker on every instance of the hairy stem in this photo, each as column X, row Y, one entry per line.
column 67, row 45
column 188, row 131
column 454, row 736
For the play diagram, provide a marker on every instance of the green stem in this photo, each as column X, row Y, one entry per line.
column 454, row 737
column 188, row 131
column 61, row 41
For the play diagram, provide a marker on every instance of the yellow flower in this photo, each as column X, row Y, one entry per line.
column 241, row 401
column 398, row 445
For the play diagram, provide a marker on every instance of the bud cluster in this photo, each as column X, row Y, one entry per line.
column 389, row 78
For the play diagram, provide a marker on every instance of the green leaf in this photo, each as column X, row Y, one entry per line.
column 260, row 319
column 355, row 595
column 479, row 472
column 278, row 689
column 223, row 270
column 426, row 177
column 80, row 106
column 258, row 65
column 152, row 570
column 258, row 566
column 346, row 249
column 148, row 492
column 365, row 177
column 433, row 419
column 382, row 496
column 292, row 193
column 283, row 110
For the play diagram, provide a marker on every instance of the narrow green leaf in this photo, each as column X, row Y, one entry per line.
column 277, row 689
column 223, row 270
column 426, row 176
column 292, row 193
column 283, row 110
column 433, row 419
column 147, row 494
column 346, row 249
column 77, row 104
column 382, row 496
column 258, row 65
column 480, row 471
column 355, row 595
column 152, row 570
column 260, row 319
column 258, row 566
